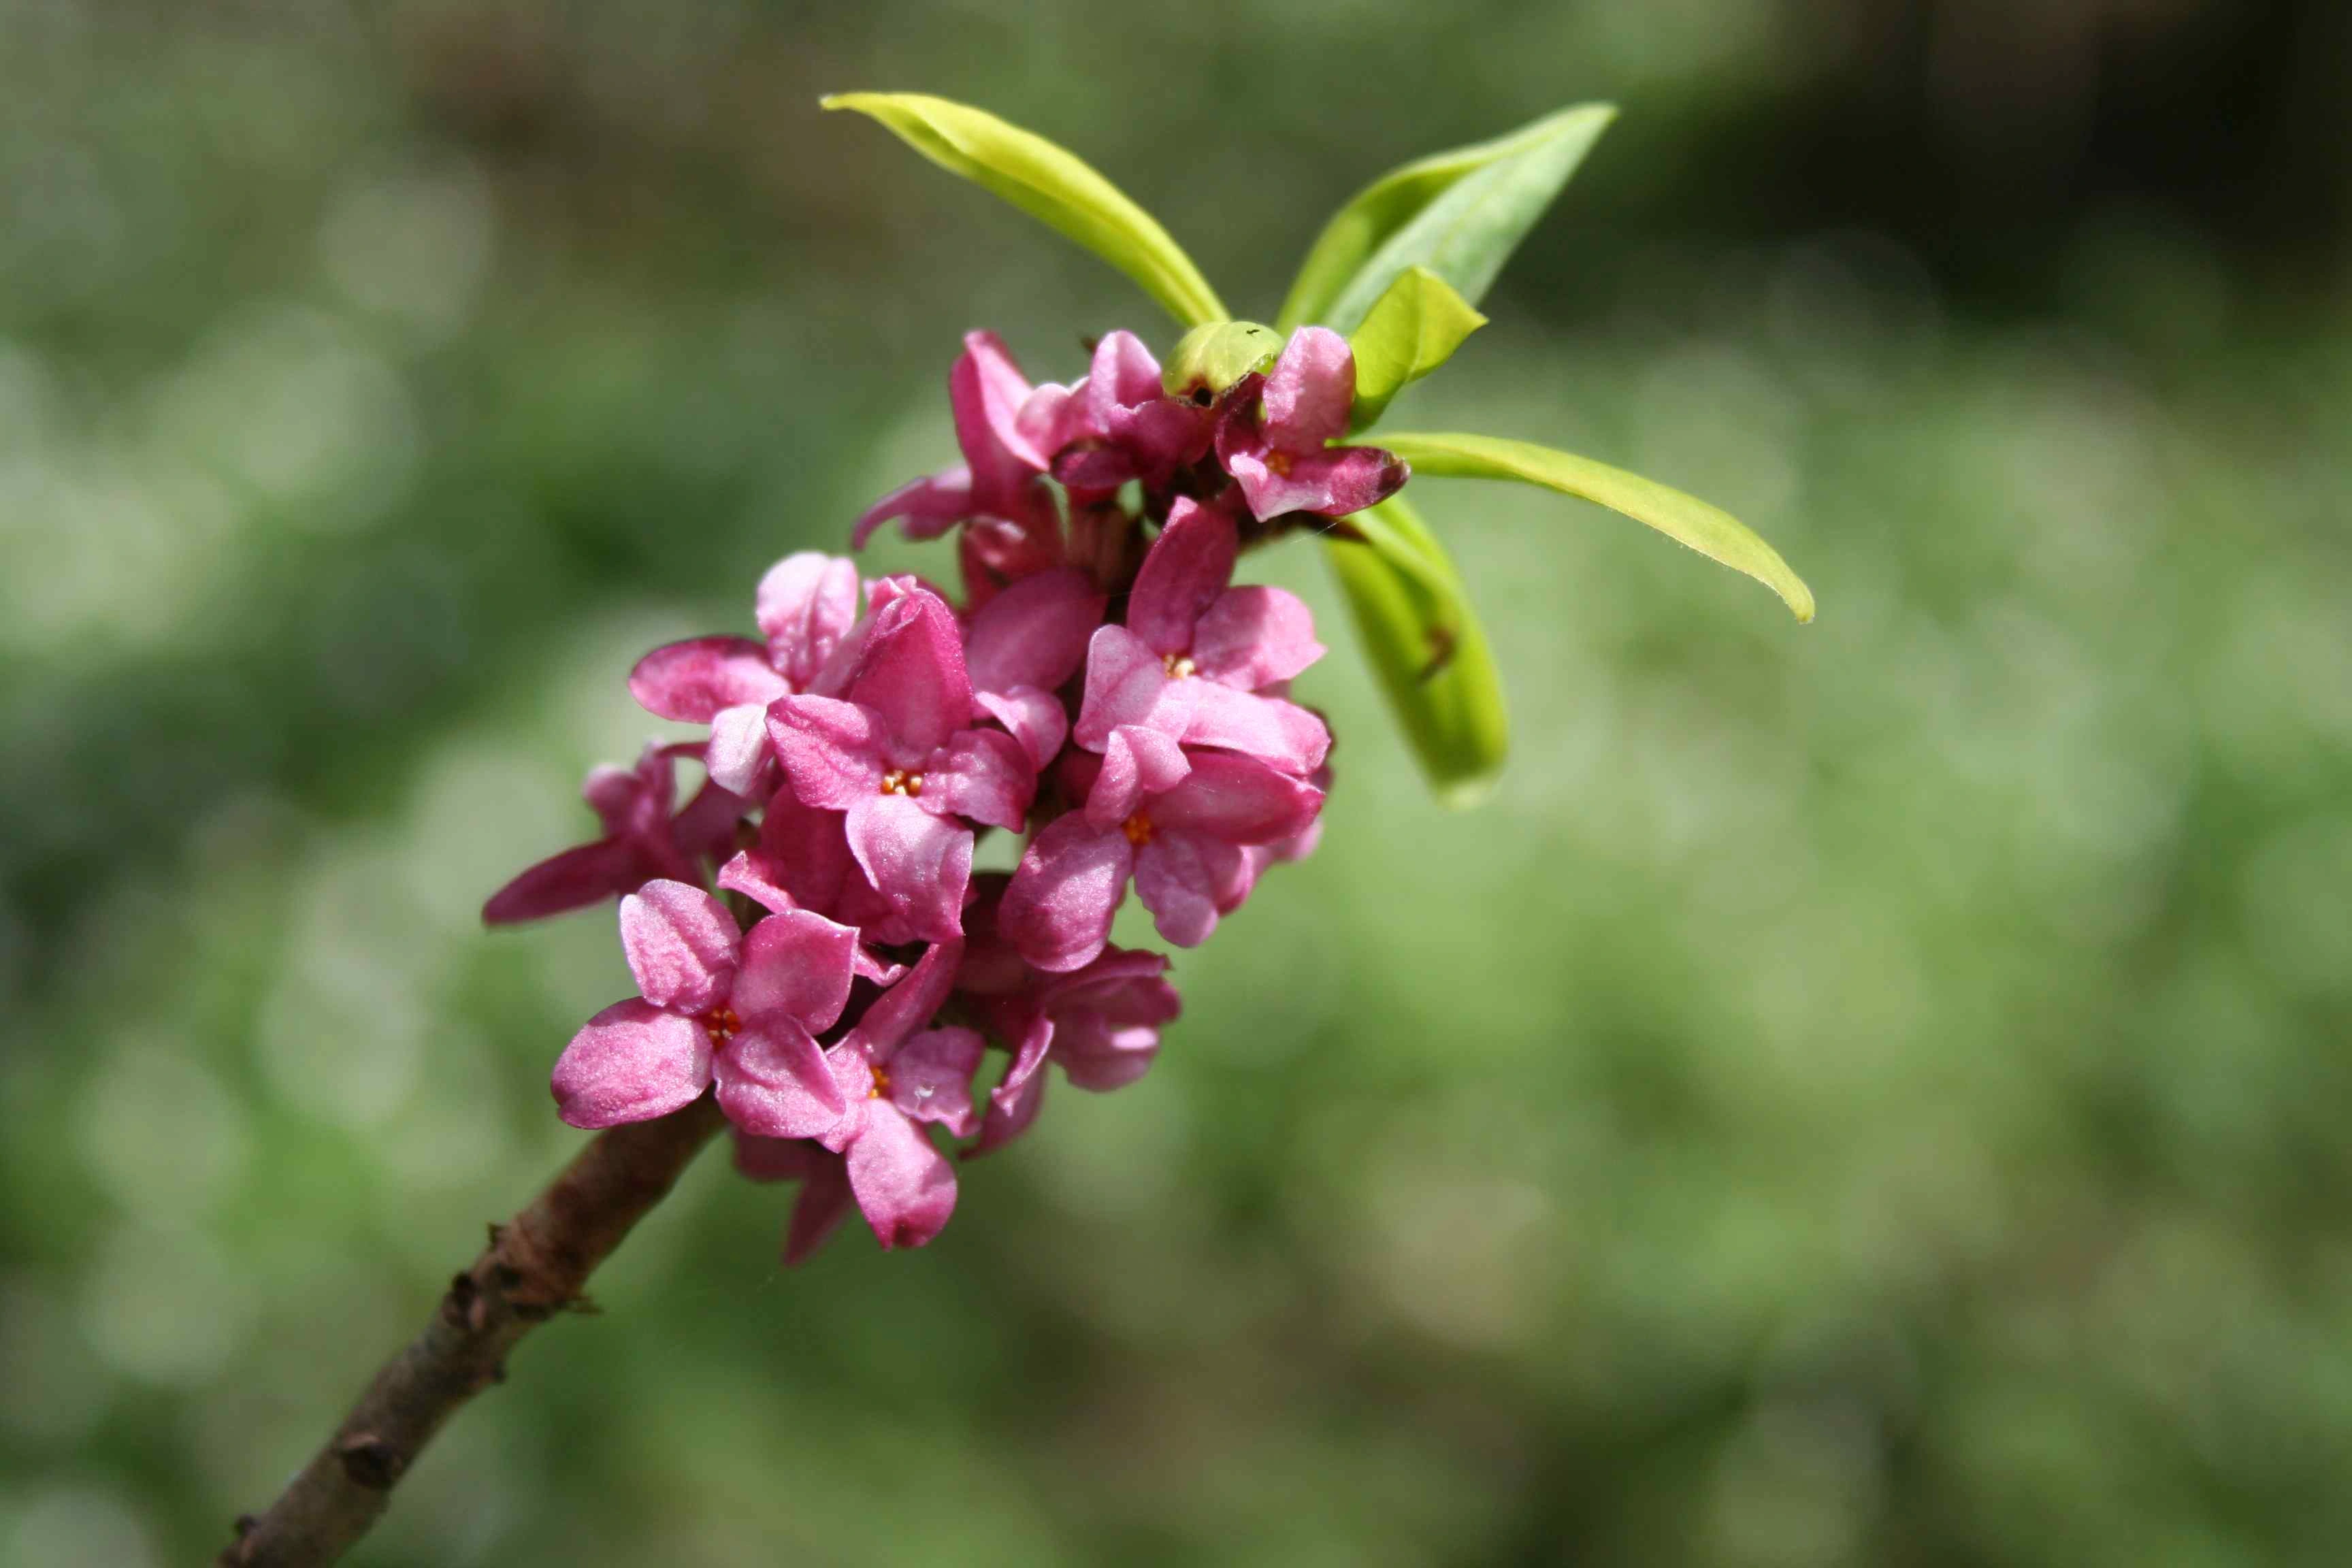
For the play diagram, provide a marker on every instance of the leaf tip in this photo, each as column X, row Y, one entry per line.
column 1465, row 793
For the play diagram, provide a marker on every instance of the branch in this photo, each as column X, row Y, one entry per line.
column 533, row 1268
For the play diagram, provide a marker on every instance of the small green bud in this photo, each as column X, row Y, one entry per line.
column 1209, row 360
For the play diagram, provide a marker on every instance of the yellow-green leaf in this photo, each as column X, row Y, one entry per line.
column 1426, row 648
column 1708, row 530
column 1397, row 220
column 1414, row 328
column 1050, row 185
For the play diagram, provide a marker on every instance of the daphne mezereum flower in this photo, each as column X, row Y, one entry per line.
column 714, row 1005
column 641, row 841
column 894, row 1074
column 1115, row 424
column 1196, row 657
column 897, row 754
column 1271, row 438
column 1183, row 845
column 805, row 605
column 1001, row 475
column 1101, row 1023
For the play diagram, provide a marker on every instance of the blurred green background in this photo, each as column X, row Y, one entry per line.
column 1866, row 1093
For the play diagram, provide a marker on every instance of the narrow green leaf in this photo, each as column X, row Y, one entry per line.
column 1413, row 329
column 1708, row 530
column 1399, row 220
column 1213, row 358
column 1425, row 648
column 1050, row 185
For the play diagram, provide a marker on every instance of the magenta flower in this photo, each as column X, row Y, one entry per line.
column 1182, row 844
column 1021, row 645
column 898, row 755
column 1273, row 442
column 893, row 1075
column 802, row 861
column 1116, row 424
column 714, row 1005
column 1101, row 1023
column 641, row 841
column 806, row 605
column 1194, row 660
column 1000, row 473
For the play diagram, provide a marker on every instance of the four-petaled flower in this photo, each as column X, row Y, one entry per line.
column 714, row 1004
column 896, row 754
column 641, row 841
column 1273, row 438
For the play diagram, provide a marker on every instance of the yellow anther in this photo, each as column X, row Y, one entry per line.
column 1137, row 829
column 1178, row 664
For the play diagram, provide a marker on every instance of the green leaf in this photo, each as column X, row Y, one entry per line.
column 1458, row 212
column 1213, row 358
column 1708, row 530
column 1425, row 648
column 1414, row 328
column 1048, row 184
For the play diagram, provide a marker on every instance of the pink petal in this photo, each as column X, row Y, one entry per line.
column 572, row 879
column 906, row 1008
column 1136, row 763
column 681, row 944
column 806, row 605
column 692, row 680
column 1036, row 719
column 1254, row 636
column 632, row 800
column 1186, row 569
column 919, row 862
column 632, row 1062
column 737, row 757
column 1099, row 1056
column 1057, row 909
column 1052, row 417
column 777, row 1159
column 1034, row 633
column 930, row 1076
column 988, row 392
column 1122, row 375
column 1013, row 1103
column 798, row 964
column 994, row 554
column 905, row 1189
column 1187, row 880
column 1237, row 799
column 984, row 775
column 911, row 674
column 774, row 1081
column 1271, row 729
column 1128, row 684
column 832, row 751
column 1331, row 484
column 704, row 830
column 1310, row 390
column 929, row 507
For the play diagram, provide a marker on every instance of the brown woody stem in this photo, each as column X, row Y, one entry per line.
column 533, row 1268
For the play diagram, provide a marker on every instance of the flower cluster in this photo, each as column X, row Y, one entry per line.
column 807, row 935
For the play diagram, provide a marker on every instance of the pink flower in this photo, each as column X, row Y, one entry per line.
column 1191, row 662
column 1021, row 645
column 1183, row 843
column 893, row 1075
column 999, row 478
column 1118, row 422
column 715, row 1005
column 806, row 605
column 1278, row 452
column 802, row 861
column 898, row 755
column 641, row 841
column 1101, row 1023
